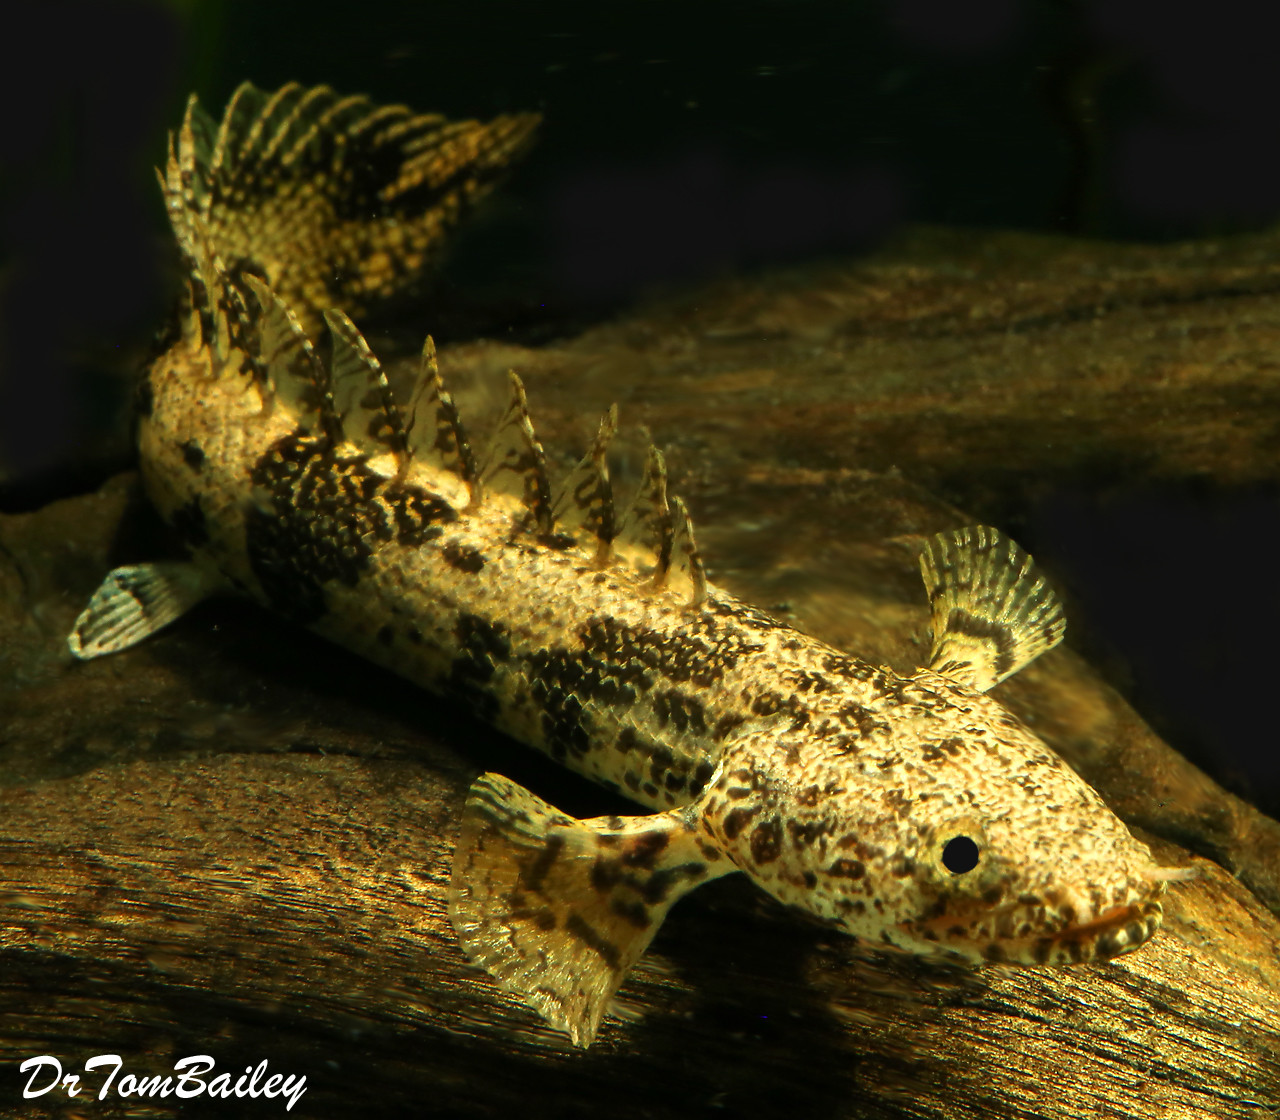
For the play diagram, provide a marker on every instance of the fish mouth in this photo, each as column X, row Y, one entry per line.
column 1113, row 933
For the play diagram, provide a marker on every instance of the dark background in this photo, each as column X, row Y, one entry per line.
column 684, row 141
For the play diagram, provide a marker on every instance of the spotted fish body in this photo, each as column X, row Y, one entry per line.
column 914, row 812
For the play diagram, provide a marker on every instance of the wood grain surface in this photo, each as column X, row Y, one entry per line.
column 234, row 839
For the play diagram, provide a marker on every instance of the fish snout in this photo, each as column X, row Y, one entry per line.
column 1073, row 932
column 1114, row 932
column 1029, row 932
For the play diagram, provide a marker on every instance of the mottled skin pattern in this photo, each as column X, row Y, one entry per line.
column 625, row 686
column 881, row 772
column 835, row 785
column 841, row 781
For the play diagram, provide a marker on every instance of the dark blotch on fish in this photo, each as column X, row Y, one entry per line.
column 193, row 455
column 465, row 558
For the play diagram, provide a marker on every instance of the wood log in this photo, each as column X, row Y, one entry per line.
column 234, row 839
column 293, row 908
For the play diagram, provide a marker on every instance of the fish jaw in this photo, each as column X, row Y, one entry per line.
column 1031, row 933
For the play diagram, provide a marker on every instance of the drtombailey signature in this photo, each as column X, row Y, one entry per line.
column 189, row 1079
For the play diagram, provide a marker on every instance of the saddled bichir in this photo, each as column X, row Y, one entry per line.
column 911, row 811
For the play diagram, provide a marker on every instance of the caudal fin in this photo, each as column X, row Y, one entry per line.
column 556, row 909
column 335, row 201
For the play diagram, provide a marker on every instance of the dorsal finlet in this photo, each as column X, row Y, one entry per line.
column 434, row 430
column 209, row 284
column 686, row 575
column 370, row 417
column 647, row 522
column 993, row 613
column 192, row 334
column 291, row 370
column 516, row 464
column 585, row 501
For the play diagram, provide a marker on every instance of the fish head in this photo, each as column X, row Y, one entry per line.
column 956, row 833
column 1047, row 875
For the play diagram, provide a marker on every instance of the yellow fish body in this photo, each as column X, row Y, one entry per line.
column 913, row 812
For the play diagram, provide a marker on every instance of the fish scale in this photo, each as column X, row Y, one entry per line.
column 913, row 812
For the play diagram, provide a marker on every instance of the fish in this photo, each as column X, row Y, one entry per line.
column 912, row 812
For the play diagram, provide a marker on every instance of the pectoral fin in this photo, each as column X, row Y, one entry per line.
column 556, row 909
column 993, row 612
column 134, row 602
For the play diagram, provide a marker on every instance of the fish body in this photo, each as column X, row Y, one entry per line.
column 911, row 811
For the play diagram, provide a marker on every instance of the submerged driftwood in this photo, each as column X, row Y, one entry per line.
column 234, row 839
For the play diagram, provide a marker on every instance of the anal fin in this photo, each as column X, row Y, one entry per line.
column 556, row 909
column 134, row 602
column 993, row 612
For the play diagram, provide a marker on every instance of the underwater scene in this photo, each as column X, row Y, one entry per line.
column 474, row 475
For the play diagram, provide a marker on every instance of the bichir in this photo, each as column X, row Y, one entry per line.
column 911, row 811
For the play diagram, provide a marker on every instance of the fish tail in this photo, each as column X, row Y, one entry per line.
column 332, row 200
column 557, row 909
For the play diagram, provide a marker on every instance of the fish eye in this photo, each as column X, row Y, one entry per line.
column 960, row 855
